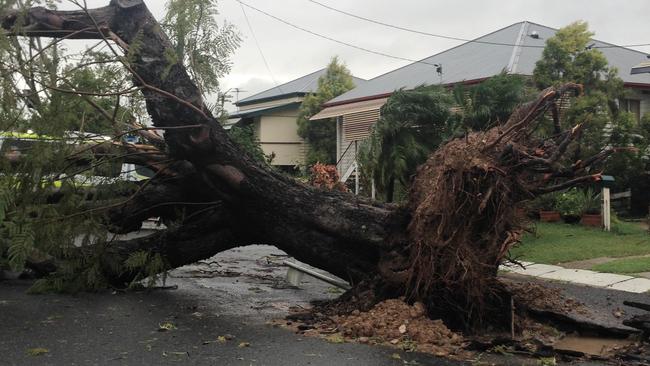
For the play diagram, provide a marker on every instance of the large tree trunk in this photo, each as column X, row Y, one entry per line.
column 444, row 247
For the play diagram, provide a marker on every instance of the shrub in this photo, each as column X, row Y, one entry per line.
column 546, row 202
column 591, row 202
column 570, row 202
column 577, row 202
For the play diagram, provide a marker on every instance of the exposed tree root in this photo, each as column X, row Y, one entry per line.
column 463, row 204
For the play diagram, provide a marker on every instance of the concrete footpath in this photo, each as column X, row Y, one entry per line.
column 581, row 277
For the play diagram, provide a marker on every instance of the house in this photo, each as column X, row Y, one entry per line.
column 273, row 114
column 515, row 49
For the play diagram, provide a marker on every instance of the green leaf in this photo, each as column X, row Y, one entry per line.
column 37, row 351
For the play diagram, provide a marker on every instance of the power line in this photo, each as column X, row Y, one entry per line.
column 333, row 39
column 445, row 36
column 404, row 28
column 386, row 24
column 268, row 68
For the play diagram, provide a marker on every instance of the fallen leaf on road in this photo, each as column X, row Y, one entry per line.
column 335, row 338
column 167, row 354
column 244, row 344
column 37, row 351
column 166, row 326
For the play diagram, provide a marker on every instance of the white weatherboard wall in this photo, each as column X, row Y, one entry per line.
column 345, row 158
column 352, row 130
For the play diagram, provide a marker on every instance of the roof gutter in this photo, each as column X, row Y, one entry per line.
column 637, row 85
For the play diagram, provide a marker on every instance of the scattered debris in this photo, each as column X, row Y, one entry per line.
column 168, row 354
column 256, row 290
column 618, row 313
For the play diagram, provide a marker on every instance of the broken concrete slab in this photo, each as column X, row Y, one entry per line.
column 509, row 266
column 535, row 269
column 636, row 285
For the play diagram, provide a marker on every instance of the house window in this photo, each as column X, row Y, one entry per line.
column 633, row 106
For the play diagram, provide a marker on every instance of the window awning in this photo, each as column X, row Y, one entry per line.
column 341, row 110
column 254, row 112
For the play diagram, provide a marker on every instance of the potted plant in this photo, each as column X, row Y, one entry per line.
column 569, row 204
column 591, row 209
column 547, row 207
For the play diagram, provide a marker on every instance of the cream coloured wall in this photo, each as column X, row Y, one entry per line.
column 285, row 154
column 280, row 126
column 277, row 132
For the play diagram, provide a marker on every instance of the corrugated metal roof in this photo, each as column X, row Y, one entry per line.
column 302, row 85
column 476, row 61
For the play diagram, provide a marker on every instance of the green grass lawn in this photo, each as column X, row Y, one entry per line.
column 557, row 243
column 624, row 266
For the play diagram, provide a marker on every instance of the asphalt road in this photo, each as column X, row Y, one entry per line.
column 219, row 315
column 234, row 297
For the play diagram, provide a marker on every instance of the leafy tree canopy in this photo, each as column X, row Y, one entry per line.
column 202, row 44
column 489, row 103
column 52, row 91
column 321, row 134
column 413, row 123
column 568, row 57
column 245, row 137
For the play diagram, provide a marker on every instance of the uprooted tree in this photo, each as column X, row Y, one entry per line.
column 443, row 247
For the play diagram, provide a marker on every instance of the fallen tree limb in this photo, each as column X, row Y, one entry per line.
column 443, row 248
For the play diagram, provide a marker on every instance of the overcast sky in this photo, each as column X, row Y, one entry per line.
column 292, row 53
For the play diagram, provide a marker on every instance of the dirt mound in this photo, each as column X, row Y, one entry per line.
column 397, row 323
